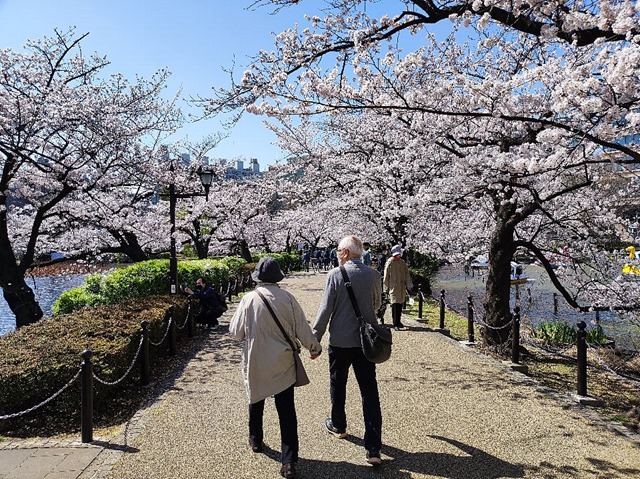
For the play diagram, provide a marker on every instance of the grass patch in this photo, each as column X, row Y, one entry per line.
column 559, row 373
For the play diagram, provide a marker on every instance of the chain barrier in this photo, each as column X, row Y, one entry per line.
column 481, row 323
column 186, row 319
column 603, row 364
column 46, row 401
column 135, row 358
column 166, row 333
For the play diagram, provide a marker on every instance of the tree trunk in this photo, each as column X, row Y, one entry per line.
column 244, row 251
column 20, row 298
column 497, row 309
column 16, row 292
column 131, row 247
column 128, row 245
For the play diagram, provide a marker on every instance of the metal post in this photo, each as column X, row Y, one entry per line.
column 144, row 354
column 515, row 340
column 442, row 309
column 555, row 303
column 582, row 358
column 470, row 318
column 173, row 261
column 189, row 319
column 420, row 300
column 86, row 397
column 172, row 332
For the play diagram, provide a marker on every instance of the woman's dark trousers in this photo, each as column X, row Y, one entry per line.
column 286, row 408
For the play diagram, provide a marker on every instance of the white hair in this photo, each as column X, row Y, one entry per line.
column 353, row 244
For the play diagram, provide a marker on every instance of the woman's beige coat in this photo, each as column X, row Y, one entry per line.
column 397, row 279
column 268, row 366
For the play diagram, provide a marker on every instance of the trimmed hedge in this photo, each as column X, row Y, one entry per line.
column 144, row 279
column 39, row 359
column 287, row 261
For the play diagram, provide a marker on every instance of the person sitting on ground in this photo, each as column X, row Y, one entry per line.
column 211, row 308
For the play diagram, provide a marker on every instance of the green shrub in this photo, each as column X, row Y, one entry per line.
column 555, row 332
column 39, row 359
column 234, row 264
column 93, row 283
column 75, row 299
column 140, row 279
column 143, row 279
column 561, row 333
column 423, row 267
column 287, row 261
column 214, row 272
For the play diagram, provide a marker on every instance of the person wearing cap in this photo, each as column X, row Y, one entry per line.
column 397, row 281
column 336, row 313
column 268, row 365
column 211, row 306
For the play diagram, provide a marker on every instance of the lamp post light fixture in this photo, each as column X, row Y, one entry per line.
column 206, row 178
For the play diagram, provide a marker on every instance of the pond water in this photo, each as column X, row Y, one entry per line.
column 535, row 299
column 47, row 289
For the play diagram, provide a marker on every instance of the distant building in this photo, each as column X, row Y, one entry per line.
column 236, row 169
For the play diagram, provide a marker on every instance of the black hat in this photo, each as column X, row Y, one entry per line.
column 267, row 271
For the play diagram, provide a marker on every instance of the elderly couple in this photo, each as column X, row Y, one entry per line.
column 268, row 360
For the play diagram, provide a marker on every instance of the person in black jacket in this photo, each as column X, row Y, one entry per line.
column 211, row 308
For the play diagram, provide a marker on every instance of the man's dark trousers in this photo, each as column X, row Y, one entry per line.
column 340, row 359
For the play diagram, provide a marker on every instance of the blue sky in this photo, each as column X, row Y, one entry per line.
column 194, row 39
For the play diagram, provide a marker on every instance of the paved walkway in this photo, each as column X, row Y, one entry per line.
column 448, row 413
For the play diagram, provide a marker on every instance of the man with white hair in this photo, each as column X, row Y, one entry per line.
column 336, row 312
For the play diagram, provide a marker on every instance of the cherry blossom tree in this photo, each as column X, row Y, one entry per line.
column 506, row 142
column 66, row 131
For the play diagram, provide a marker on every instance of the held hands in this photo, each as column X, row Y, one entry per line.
column 314, row 355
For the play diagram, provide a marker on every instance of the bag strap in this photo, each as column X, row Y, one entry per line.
column 352, row 296
column 275, row 318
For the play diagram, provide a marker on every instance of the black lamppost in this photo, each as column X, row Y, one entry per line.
column 206, row 177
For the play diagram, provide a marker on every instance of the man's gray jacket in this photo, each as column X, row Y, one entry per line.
column 336, row 310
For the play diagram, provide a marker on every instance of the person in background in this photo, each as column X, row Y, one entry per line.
column 366, row 254
column 306, row 259
column 211, row 308
column 381, row 261
column 268, row 364
column 337, row 314
column 397, row 281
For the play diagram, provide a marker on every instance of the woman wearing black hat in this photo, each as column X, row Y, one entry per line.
column 268, row 361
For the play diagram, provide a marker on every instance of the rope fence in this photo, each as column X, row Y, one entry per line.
column 141, row 357
column 520, row 335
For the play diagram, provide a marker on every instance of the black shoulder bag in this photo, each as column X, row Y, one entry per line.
column 375, row 339
column 301, row 375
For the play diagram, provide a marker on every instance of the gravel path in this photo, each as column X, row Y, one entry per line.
column 448, row 412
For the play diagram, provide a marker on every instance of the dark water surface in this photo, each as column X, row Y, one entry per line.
column 535, row 299
column 47, row 289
